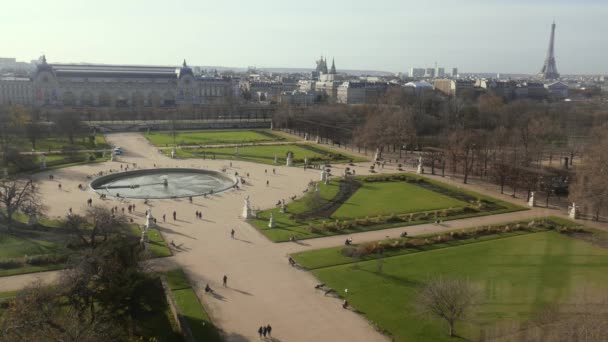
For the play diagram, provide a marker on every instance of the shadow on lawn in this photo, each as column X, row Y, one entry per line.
column 394, row 279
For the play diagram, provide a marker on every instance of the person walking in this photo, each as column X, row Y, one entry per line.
column 267, row 182
column 164, row 218
column 174, row 215
column 232, row 233
column 225, row 281
column 268, row 330
column 260, row 331
column 264, row 331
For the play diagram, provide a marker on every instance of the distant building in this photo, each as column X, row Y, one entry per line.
column 417, row 72
column 327, row 84
column 16, row 90
column 440, row 72
column 454, row 72
column 297, row 97
column 504, row 89
column 418, row 87
column 452, row 87
column 536, row 90
column 361, row 92
column 430, row 72
column 78, row 85
column 557, row 90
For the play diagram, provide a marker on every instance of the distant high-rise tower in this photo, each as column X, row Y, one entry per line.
column 549, row 70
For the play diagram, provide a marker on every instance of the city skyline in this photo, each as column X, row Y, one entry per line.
column 392, row 36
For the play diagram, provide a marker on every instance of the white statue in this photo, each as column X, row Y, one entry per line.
column 289, row 161
column 316, row 187
column 420, row 166
column 236, row 151
column 112, row 156
column 247, row 209
column 271, row 221
column 276, row 160
column 271, row 126
column 306, row 136
column 173, row 152
column 377, row 156
column 573, row 211
column 283, row 207
column 323, row 175
column 43, row 161
column 306, row 161
column 318, row 139
column 149, row 220
column 532, row 200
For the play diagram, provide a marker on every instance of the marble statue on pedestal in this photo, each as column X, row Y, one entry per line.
column 289, row 160
column 420, row 169
column 247, row 209
column 573, row 211
column 532, row 200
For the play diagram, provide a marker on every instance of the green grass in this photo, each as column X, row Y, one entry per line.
column 375, row 203
column 515, row 276
column 265, row 154
column 163, row 139
column 57, row 143
column 48, row 240
column 374, row 199
column 190, row 307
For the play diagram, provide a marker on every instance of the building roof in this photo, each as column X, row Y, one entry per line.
column 126, row 71
column 418, row 84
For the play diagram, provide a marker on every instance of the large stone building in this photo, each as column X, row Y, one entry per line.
column 361, row 92
column 115, row 86
column 452, row 87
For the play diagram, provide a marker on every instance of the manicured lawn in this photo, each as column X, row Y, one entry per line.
column 28, row 250
column 265, row 154
column 190, row 307
column 377, row 198
column 515, row 276
column 163, row 139
column 57, row 143
column 377, row 204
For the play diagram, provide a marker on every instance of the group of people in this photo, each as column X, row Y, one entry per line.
column 265, row 331
column 199, row 215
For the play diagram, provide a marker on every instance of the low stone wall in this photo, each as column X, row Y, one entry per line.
column 166, row 125
column 182, row 325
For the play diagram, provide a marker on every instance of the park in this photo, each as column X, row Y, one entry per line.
column 225, row 205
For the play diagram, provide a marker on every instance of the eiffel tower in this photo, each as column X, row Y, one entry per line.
column 549, row 70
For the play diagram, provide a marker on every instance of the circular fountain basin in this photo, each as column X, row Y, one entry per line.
column 163, row 183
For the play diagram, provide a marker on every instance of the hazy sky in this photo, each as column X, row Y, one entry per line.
column 390, row 35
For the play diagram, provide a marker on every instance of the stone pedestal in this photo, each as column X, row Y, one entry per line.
column 271, row 125
column 283, row 208
column 43, row 162
column 271, row 221
column 173, row 152
column 532, row 200
column 318, row 139
column 316, row 187
column 112, row 156
column 420, row 169
column 276, row 159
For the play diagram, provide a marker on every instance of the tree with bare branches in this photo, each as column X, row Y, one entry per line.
column 448, row 299
column 98, row 223
column 19, row 195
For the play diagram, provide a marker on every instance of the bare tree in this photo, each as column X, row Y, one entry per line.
column 17, row 194
column 99, row 222
column 447, row 299
column 590, row 189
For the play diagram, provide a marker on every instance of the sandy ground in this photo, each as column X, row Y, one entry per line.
column 262, row 287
